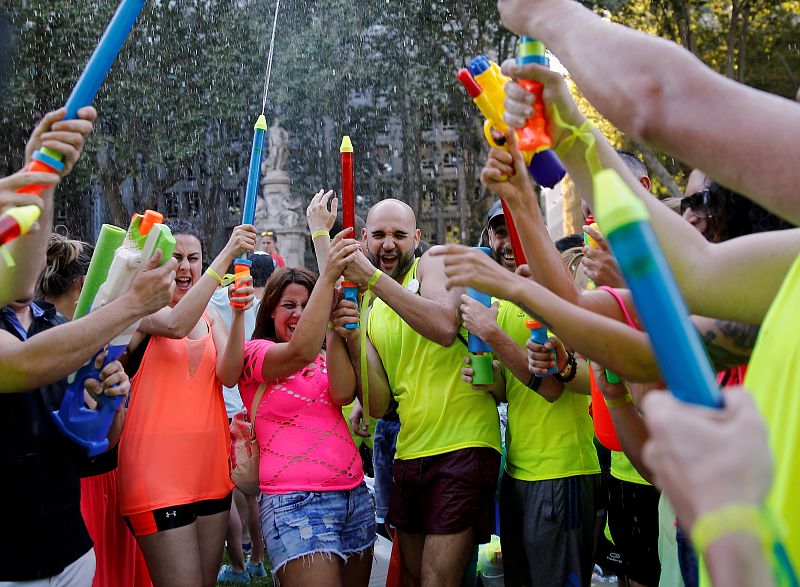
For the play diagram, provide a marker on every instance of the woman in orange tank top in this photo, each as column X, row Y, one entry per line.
column 174, row 486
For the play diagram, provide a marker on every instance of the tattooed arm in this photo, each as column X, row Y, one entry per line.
column 728, row 343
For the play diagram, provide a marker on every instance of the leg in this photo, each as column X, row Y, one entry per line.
column 445, row 557
column 257, row 541
column 240, row 503
column 319, row 570
column 512, row 521
column 357, row 569
column 173, row 557
column 210, row 539
column 411, row 551
column 234, row 538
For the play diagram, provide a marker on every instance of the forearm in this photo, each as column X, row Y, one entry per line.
column 508, row 352
column 436, row 320
column 115, row 431
column 29, row 253
column 306, row 342
column 379, row 390
column 62, row 350
column 609, row 342
column 178, row 321
column 341, row 376
column 231, row 360
column 632, row 434
column 737, row 560
column 321, row 245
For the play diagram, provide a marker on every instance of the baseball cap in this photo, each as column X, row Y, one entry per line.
column 495, row 211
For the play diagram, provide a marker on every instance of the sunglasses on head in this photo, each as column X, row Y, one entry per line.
column 267, row 233
column 699, row 202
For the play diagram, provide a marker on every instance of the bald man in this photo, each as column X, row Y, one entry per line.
column 448, row 449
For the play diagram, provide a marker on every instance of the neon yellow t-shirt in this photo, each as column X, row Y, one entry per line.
column 544, row 440
column 622, row 468
column 438, row 411
column 773, row 376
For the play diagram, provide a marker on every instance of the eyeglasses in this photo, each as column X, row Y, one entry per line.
column 699, row 202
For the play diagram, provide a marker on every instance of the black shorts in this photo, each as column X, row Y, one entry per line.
column 633, row 522
column 176, row 516
column 446, row 493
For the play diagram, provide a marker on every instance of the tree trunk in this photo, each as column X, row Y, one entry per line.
column 731, row 38
column 658, row 170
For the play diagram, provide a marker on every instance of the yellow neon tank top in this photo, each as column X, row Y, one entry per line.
column 544, row 440
column 439, row 412
column 773, row 376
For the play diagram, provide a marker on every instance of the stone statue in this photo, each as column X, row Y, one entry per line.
column 277, row 149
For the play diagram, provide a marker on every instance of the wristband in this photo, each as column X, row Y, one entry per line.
column 210, row 272
column 535, row 382
column 731, row 519
column 375, row 277
column 330, row 325
column 619, row 401
column 570, row 370
column 320, row 232
column 227, row 279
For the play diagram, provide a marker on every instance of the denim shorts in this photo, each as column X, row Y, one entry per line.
column 301, row 523
column 383, row 449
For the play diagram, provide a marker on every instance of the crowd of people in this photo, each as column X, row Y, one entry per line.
column 672, row 494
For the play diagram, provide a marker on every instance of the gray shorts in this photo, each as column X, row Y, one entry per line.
column 547, row 530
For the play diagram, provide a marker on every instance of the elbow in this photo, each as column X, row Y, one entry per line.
column 446, row 336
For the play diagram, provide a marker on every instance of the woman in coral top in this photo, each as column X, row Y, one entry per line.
column 317, row 516
column 174, row 482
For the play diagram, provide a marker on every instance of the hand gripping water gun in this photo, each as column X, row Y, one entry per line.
column 16, row 222
column 480, row 352
column 115, row 264
column 676, row 344
column 91, row 79
column 539, row 336
column 486, row 86
column 348, row 212
column 242, row 264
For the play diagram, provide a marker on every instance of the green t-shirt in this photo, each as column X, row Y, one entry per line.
column 544, row 440
column 773, row 376
column 438, row 411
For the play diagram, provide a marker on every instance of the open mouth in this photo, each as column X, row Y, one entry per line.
column 291, row 327
column 183, row 283
column 389, row 259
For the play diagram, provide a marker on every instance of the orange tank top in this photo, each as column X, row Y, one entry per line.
column 175, row 445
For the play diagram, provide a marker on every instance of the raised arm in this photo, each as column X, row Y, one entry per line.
column 661, row 94
column 46, row 358
column 287, row 358
column 178, row 321
column 29, row 251
column 735, row 280
column 230, row 344
column 320, row 222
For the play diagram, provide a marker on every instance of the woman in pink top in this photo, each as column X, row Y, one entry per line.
column 314, row 502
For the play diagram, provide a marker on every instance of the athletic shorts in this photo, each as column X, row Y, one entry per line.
column 633, row 521
column 548, row 529
column 446, row 493
column 176, row 516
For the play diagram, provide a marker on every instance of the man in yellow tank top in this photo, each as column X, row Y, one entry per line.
column 448, row 448
column 548, row 499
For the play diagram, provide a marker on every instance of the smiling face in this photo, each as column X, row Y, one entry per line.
column 290, row 308
column 500, row 243
column 189, row 255
column 391, row 236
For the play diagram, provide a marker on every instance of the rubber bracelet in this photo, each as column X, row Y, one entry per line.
column 215, row 275
column 330, row 325
column 375, row 277
column 320, row 232
column 227, row 279
column 620, row 401
column 731, row 519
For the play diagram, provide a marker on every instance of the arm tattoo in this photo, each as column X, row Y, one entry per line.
column 729, row 344
column 534, row 315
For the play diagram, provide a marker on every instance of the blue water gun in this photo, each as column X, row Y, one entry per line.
column 480, row 352
column 89, row 83
column 679, row 352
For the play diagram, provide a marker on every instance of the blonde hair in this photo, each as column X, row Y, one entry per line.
column 67, row 260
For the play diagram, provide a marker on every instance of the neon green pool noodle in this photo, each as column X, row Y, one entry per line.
column 111, row 237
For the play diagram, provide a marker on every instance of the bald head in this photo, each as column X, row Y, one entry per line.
column 393, row 208
column 391, row 236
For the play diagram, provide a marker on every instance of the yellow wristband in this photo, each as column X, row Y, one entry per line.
column 224, row 281
column 619, row 402
column 731, row 519
column 215, row 275
column 375, row 277
column 320, row 232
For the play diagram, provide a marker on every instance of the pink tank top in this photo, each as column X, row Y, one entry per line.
column 175, row 445
column 304, row 441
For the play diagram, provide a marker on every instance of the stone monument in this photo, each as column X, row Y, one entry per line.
column 277, row 209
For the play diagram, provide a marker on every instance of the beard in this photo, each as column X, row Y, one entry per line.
column 404, row 263
column 500, row 256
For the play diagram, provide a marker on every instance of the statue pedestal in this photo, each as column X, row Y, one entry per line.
column 279, row 211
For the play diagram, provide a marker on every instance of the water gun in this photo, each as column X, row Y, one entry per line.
column 16, row 222
column 486, row 86
column 480, row 352
column 539, row 336
column 114, row 265
column 50, row 161
column 590, row 242
column 348, row 212
column 676, row 344
column 242, row 264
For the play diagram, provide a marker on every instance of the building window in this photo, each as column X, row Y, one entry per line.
column 233, row 201
column 193, row 199
column 450, row 194
column 172, row 205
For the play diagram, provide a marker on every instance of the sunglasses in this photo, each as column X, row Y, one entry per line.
column 268, row 233
column 699, row 202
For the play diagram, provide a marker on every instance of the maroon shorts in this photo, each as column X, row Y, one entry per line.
column 446, row 493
